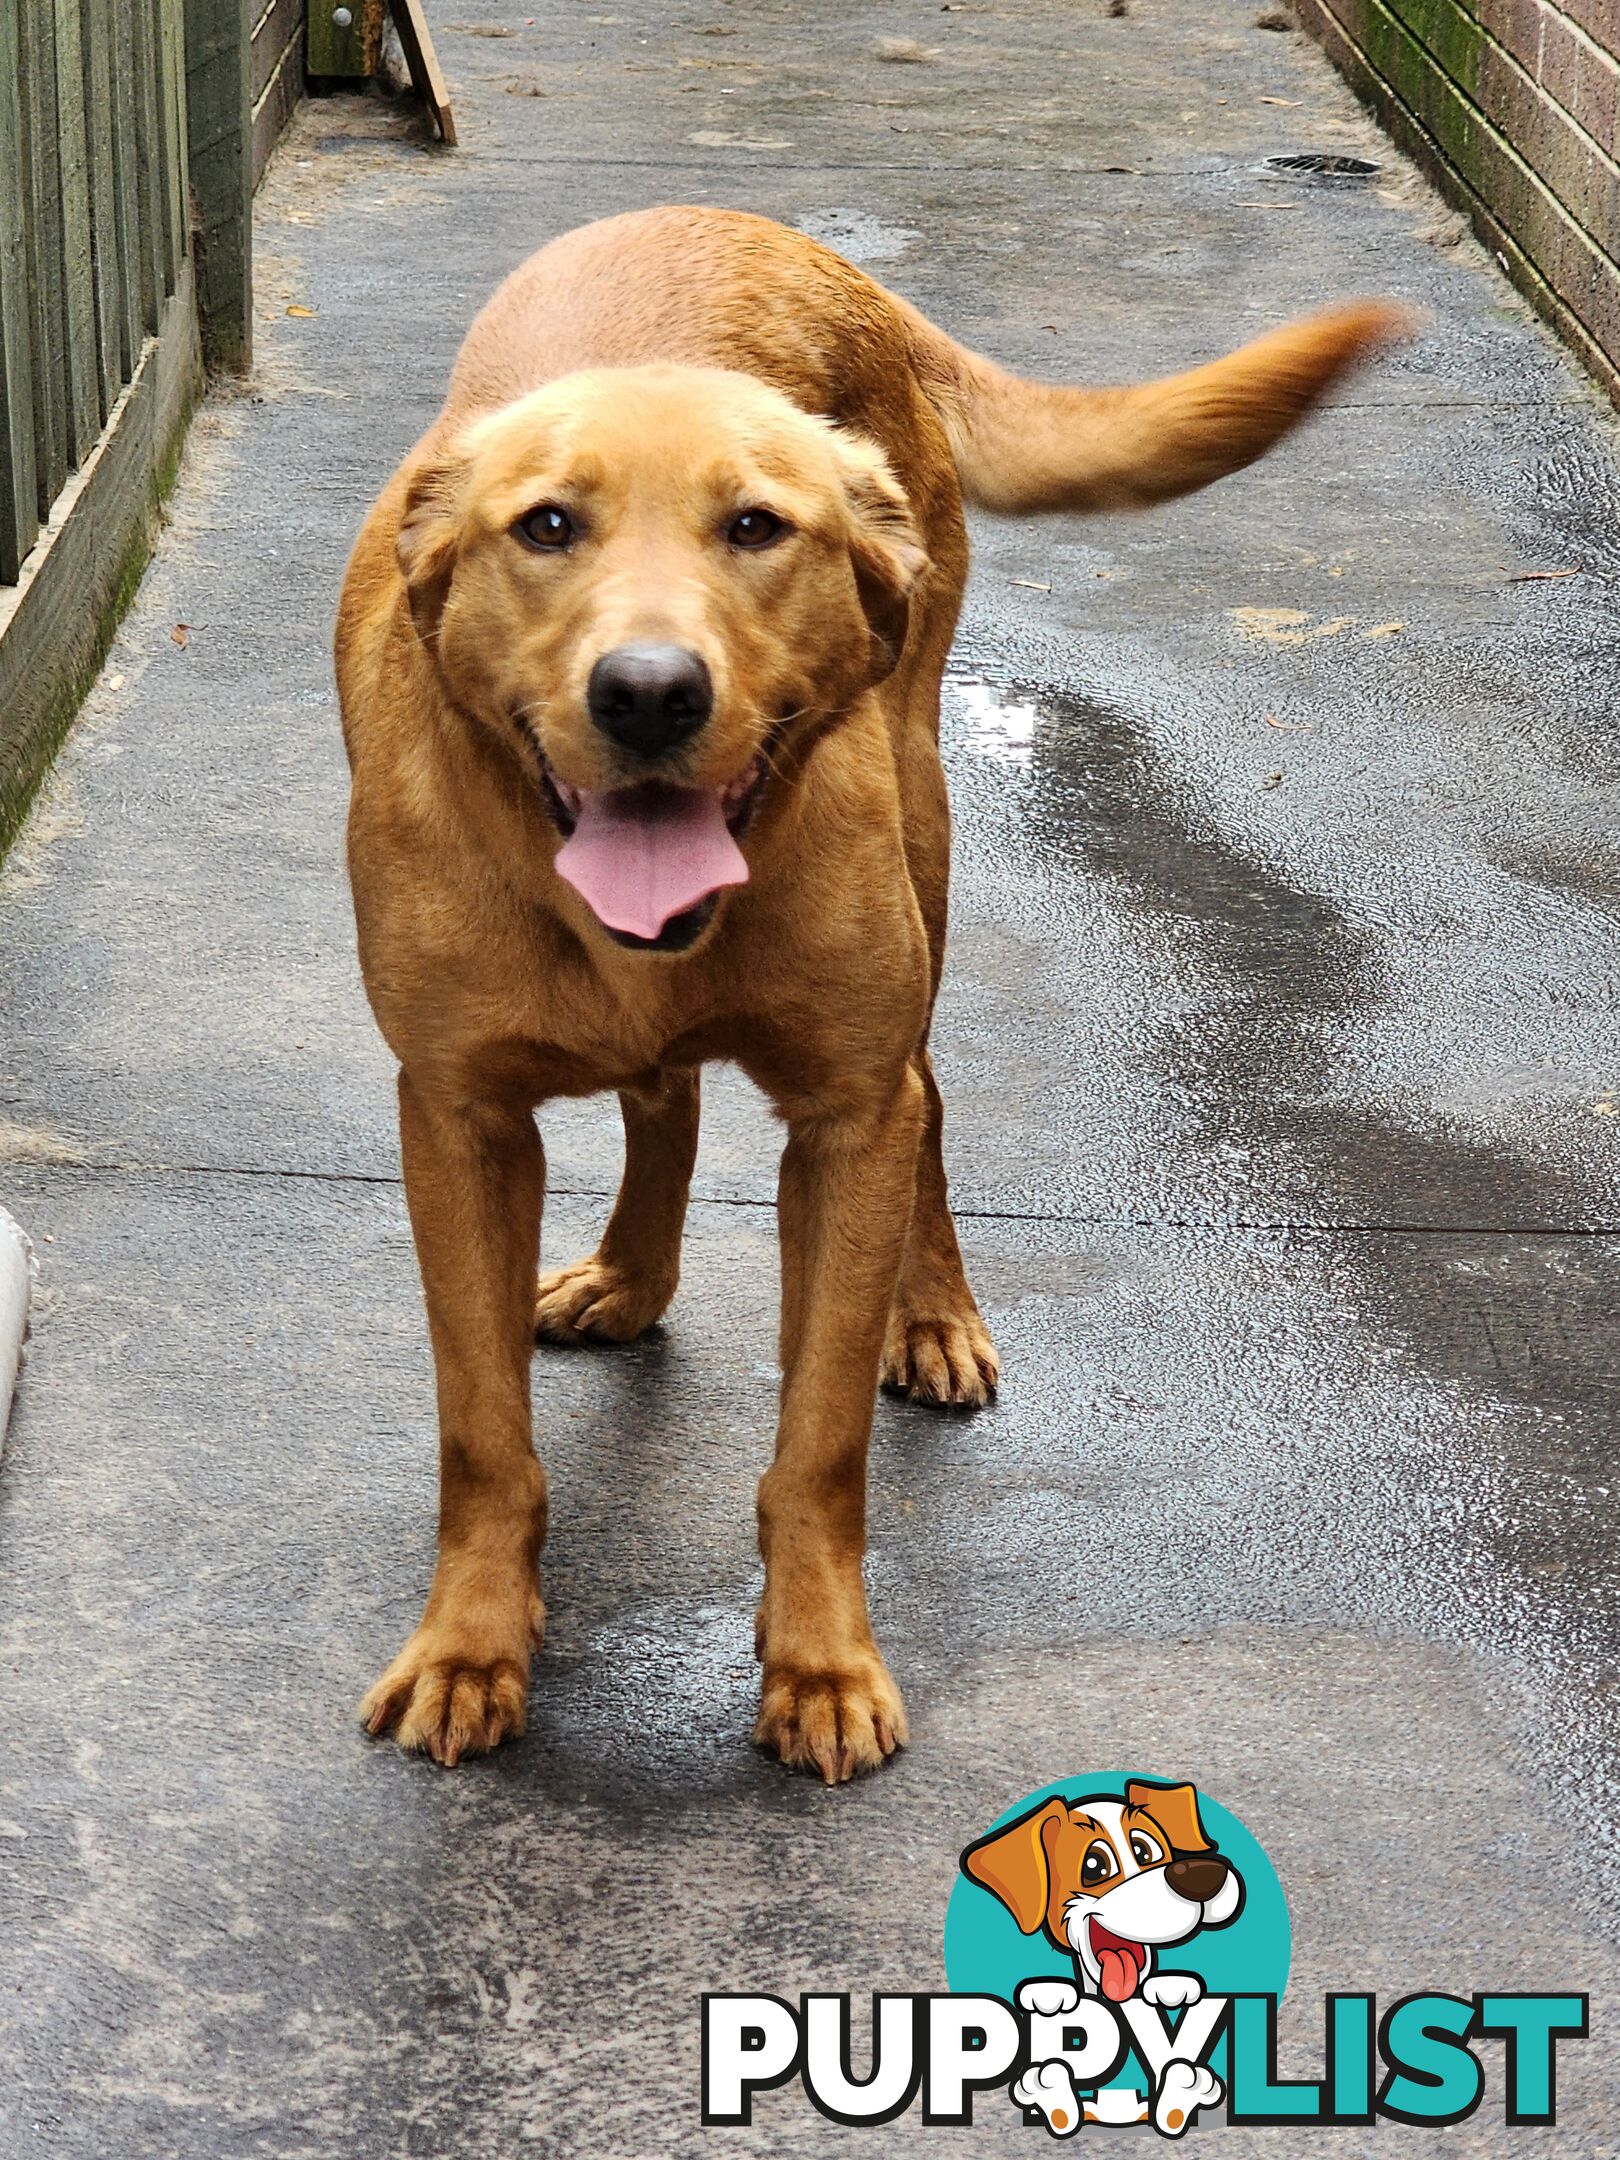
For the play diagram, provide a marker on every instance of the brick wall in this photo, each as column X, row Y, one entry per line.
column 1513, row 106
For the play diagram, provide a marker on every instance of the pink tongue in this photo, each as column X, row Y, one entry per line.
column 637, row 856
column 1119, row 1973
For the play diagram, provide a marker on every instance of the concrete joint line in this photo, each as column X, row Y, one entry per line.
column 1278, row 1226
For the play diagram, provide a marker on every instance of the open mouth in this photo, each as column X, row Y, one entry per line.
column 650, row 861
column 1120, row 1964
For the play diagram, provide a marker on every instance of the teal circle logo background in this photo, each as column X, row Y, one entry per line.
column 985, row 1954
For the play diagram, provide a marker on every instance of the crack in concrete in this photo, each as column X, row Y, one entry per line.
column 1268, row 1225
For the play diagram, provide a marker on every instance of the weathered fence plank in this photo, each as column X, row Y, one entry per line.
column 82, row 395
column 127, row 197
column 19, row 492
column 96, row 42
column 43, row 226
column 143, row 41
column 219, row 137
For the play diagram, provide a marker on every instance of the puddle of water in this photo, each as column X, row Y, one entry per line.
column 999, row 728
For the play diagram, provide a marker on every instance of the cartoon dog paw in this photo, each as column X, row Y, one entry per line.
column 1049, row 2087
column 1048, row 1998
column 1184, row 2088
column 1172, row 1991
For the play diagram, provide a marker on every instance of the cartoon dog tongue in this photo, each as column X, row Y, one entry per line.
column 1119, row 1963
column 639, row 855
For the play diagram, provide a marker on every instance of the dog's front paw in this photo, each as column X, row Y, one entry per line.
column 1184, row 2088
column 834, row 1723
column 455, row 1689
column 946, row 1359
column 1172, row 1990
column 1048, row 1998
column 592, row 1300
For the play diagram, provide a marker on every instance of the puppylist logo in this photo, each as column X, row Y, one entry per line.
column 1116, row 1948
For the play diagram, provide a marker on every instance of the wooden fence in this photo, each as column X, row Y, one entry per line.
column 131, row 135
column 93, row 230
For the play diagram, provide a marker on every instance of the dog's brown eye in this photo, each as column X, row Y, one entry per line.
column 547, row 527
column 1144, row 1851
column 756, row 529
column 1098, row 1864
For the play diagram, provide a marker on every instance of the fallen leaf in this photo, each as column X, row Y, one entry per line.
column 1383, row 630
column 1291, row 626
column 904, row 52
column 716, row 139
column 1029, row 584
column 295, row 310
column 1536, row 577
column 181, row 635
column 1287, row 727
column 1289, row 101
column 1268, row 206
column 1604, row 1109
column 1272, row 780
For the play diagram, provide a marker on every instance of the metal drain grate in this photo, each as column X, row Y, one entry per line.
column 1326, row 165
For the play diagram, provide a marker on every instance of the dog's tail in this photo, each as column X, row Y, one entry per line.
column 1025, row 446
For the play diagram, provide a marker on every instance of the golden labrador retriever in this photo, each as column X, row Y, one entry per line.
column 640, row 657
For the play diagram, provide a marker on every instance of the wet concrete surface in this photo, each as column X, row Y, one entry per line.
column 1281, row 1056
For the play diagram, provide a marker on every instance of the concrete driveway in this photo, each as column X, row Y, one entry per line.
column 1282, row 1061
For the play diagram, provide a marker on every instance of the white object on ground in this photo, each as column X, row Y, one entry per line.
column 17, row 1268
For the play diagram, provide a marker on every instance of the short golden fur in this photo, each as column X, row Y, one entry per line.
column 664, row 373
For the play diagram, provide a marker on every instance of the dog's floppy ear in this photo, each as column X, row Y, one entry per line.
column 425, row 545
column 885, row 546
column 1015, row 1865
column 1175, row 1809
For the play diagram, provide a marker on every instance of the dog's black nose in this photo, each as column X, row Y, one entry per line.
column 1196, row 1875
column 648, row 698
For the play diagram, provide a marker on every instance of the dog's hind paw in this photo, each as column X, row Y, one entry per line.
column 594, row 1301
column 1183, row 2089
column 947, row 1361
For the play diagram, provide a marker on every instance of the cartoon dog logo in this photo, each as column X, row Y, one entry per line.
column 1112, row 1882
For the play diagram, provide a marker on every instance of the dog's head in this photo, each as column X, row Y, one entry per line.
column 645, row 581
column 1111, row 1880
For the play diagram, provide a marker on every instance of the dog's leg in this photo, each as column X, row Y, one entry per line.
column 827, row 1701
column 937, row 1348
column 474, row 1180
column 628, row 1281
